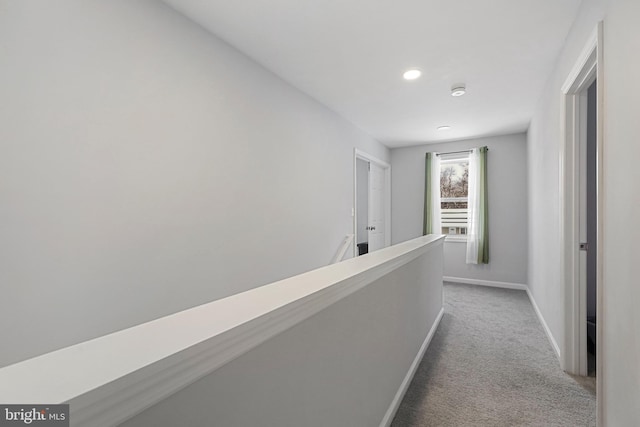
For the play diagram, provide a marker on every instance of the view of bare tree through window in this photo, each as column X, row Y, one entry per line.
column 454, row 191
column 454, row 183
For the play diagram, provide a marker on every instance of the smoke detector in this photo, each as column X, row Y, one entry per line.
column 458, row 90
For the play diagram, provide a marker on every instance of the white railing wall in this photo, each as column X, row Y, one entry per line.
column 334, row 346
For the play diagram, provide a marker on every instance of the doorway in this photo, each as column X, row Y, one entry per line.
column 581, row 202
column 588, row 225
column 372, row 203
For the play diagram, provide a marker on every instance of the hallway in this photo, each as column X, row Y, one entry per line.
column 490, row 364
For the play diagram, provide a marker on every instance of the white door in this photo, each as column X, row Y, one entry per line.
column 377, row 221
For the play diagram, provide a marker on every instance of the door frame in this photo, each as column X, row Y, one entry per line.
column 359, row 154
column 586, row 70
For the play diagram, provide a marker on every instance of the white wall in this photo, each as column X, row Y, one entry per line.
column 147, row 167
column 622, row 207
column 621, row 293
column 341, row 367
column 543, row 156
column 506, row 176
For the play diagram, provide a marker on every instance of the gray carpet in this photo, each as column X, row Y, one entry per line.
column 490, row 364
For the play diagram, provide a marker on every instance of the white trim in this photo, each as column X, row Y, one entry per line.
column 491, row 283
column 546, row 328
column 114, row 377
column 366, row 156
column 454, row 157
column 354, row 210
column 580, row 66
column 600, row 313
column 395, row 404
column 586, row 69
column 359, row 154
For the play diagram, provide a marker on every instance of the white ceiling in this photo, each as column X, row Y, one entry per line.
column 350, row 56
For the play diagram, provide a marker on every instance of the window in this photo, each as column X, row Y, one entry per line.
column 454, row 192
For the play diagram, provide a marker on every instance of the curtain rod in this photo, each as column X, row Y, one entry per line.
column 456, row 152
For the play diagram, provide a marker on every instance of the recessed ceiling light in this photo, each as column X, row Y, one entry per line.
column 458, row 91
column 412, row 74
column 444, row 128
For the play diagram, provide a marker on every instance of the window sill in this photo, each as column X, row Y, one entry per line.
column 456, row 239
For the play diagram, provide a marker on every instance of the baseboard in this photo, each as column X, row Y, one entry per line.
column 395, row 403
column 552, row 340
column 491, row 283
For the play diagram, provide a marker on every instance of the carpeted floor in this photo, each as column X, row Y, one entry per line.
column 490, row 364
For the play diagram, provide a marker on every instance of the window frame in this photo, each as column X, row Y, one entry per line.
column 454, row 158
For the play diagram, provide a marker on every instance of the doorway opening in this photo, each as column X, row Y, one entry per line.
column 372, row 203
column 581, row 204
column 588, row 224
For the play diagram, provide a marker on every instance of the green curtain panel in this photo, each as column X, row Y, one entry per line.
column 427, row 223
column 483, row 235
